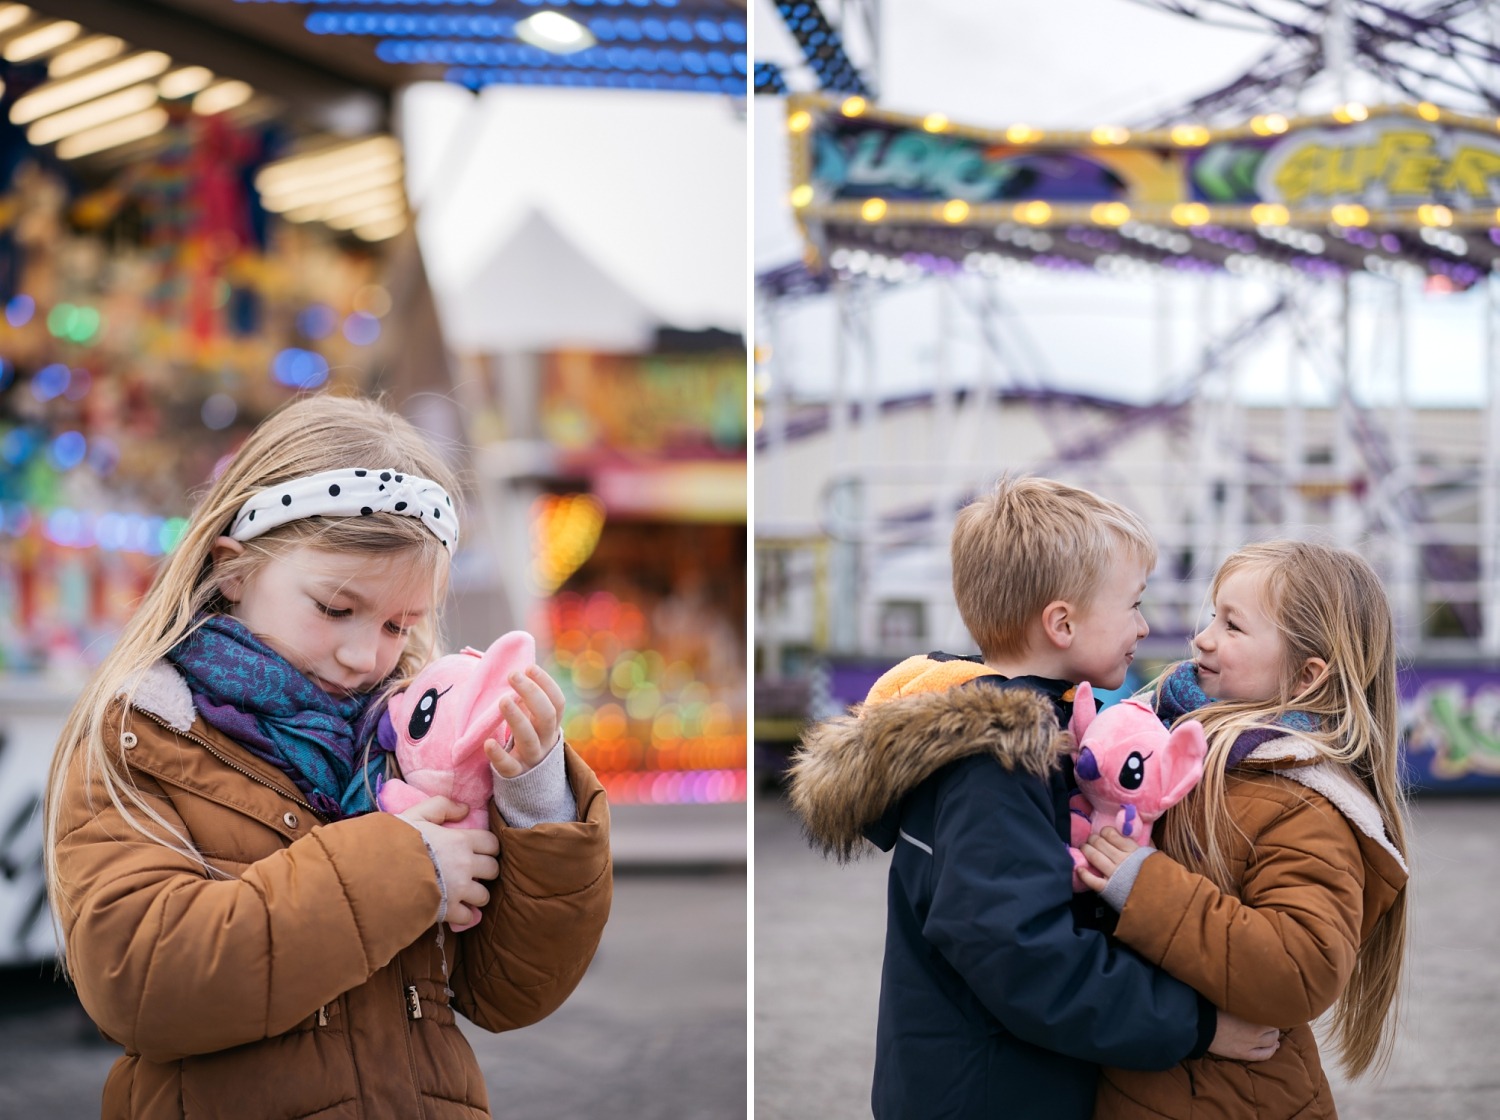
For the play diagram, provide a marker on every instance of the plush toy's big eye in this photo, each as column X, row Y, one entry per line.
column 1132, row 774
column 421, row 715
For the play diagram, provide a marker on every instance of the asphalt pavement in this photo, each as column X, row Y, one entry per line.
column 820, row 928
column 655, row 1031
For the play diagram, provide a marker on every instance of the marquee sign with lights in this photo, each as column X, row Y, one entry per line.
column 852, row 160
column 1399, row 184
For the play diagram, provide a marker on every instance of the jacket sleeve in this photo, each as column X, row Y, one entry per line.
column 545, row 915
column 170, row 961
column 1001, row 915
column 1282, row 952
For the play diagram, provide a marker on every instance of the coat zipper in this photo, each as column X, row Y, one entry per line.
column 413, row 1011
column 235, row 766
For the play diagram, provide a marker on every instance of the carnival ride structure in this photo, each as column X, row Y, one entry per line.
column 1295, row 205
column 1316, row 203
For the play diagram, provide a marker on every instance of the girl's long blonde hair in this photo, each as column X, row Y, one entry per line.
column 1327, row 603
column 307, row 436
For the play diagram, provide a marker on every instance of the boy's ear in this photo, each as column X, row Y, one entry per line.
column 1057, row 623
column 224, row 548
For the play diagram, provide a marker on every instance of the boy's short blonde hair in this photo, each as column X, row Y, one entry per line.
column 1029, row 542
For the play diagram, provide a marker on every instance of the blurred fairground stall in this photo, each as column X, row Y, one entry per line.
column 1310, row 248
column 210, row 206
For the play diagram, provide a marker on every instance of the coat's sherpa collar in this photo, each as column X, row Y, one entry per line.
column 1297, row 759
column 162, row 691
column 851, row 769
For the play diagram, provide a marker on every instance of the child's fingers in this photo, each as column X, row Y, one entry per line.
column 502, row 758
column 1092, row 879
column 542, row 703
column 550, row 688
column 1102, row 856
column 437, row 810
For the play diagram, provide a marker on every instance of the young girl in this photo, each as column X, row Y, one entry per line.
column 235, row 913
column 1285, row 893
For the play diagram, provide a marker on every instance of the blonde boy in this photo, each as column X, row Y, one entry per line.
column 999, row 996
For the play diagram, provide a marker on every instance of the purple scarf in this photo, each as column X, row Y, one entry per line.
column 251, row 693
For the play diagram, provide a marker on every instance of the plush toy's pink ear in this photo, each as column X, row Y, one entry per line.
column 478, row 694
column 1083, row 712
column 1186, row 749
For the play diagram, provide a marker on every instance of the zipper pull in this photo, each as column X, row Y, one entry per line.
column 323, row 1016
column 413, row 1004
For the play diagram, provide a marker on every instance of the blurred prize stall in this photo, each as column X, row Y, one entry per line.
column 204, row 211
column 602, row 381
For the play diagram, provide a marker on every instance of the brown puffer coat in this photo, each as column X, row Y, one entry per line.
column 312, row 981
column 1316, row 873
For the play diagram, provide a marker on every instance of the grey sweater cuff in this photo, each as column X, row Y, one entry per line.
column 538, row 796
column 1117, row 891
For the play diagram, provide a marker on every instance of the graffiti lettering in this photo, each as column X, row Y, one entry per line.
column 1384, row 165
column 912, row 164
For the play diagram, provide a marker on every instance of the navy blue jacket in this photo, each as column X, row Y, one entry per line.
column 996, row 1000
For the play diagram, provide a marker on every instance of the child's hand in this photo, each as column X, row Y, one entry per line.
column 535, row 719
column 465, row 856
column 1105, row 851
column 1242, row 1041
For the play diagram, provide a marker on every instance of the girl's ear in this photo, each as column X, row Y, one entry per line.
column 223, row 549
column 1314, row 669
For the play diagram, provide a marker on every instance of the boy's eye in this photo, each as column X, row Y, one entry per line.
column 333, row 612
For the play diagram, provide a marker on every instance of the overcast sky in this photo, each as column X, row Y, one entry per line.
column 1077, row 64
column 651, row 186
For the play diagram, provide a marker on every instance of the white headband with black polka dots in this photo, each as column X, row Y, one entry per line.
column 349, row 492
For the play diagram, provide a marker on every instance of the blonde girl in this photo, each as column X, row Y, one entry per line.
column 1284, row 896
column 234, row 912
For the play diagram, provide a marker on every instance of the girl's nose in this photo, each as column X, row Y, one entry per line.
column 1202, row 641
column 358, row 652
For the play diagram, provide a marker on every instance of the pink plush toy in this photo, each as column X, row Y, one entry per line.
column 442, row 720
column 1130, row 768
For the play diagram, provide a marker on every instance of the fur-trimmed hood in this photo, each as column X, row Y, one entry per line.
column 851, row 769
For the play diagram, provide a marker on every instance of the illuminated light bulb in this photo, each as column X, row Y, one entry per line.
column 802, row 195
column 1270, row 214
column 56, row 96
column 85, row 54
column 1349, row 214
column 45, row 38
column 873, row 209
column 92, row 113
column 1190, row 214
column 1110, row 213
column 1434, row 215
column 1190, row 135
column 935, row 122
column 1022, row 134
column 555, row 33
column 1033, row 213
column 221, row 97
column 1275, row 124
column 185, row 82
column 112, row 135
column 853, row 106
column 13, row 15
column 1110, row 134
column 955, row 210
column 1428, row 111
column 799, row 121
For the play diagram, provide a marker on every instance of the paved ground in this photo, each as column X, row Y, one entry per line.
column 820, row 928
column 656, row 1030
